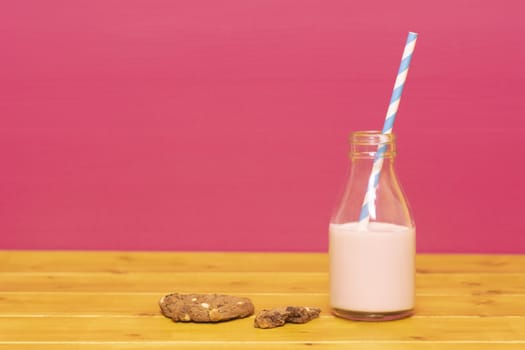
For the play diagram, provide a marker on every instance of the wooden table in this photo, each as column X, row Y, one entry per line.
column 108, row 300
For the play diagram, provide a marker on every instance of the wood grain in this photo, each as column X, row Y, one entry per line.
column 324, row 329
column 108, row 300
column 354, row 345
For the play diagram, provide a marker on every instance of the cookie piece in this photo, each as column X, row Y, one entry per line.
column 302, row 314
column 278, row 317
column 204, row 307
column 271, row 318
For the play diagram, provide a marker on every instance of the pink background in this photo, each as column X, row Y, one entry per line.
column 222, row 125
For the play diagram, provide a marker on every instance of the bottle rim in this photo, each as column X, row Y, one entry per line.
column 365, row 144
column 371, row 137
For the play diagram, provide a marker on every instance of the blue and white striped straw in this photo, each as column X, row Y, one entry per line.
column 368, row 208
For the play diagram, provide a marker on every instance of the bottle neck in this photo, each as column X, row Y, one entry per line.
column 372, row 182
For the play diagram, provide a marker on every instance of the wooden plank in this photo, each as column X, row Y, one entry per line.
column 355, row 345
column 91, row 261
column 244, row 282
column 142, row 305
column 465, row 263
column 70, row 261
column 328, row 329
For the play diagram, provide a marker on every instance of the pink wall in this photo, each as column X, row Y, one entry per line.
column 222, row 125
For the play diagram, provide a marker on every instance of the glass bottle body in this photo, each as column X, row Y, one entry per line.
column 372, row 257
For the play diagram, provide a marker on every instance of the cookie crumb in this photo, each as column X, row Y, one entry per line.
column 279, row 316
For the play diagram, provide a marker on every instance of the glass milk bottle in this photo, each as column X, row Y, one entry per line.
column 372, row 251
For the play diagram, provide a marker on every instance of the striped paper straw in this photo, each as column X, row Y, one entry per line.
column 368, row 207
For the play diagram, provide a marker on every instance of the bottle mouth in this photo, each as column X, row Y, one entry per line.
column 364, row 144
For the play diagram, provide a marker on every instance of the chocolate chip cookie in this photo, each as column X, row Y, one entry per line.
column 205, row 307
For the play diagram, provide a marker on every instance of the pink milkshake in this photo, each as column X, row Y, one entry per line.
column 372, row 271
